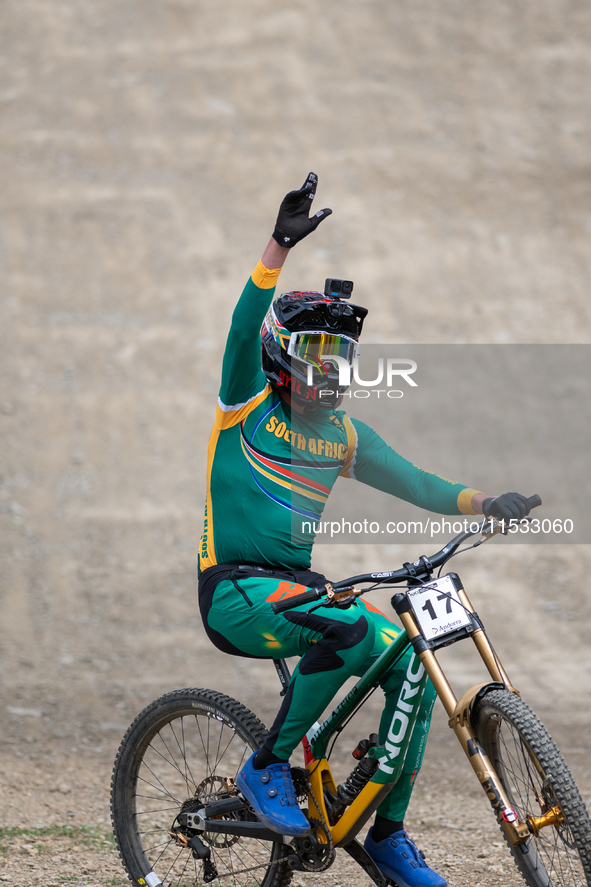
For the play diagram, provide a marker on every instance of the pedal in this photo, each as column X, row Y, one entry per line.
column 301, row 783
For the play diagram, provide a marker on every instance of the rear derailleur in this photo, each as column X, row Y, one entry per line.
column 198, row 849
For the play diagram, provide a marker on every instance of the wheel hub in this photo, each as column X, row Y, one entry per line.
column 536, row 823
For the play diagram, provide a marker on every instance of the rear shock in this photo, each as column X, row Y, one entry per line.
column 357, row 778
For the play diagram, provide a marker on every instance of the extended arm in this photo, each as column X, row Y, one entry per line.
column 242, row 376
column 375, row 463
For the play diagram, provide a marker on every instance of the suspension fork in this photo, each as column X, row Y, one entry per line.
column 459, row 717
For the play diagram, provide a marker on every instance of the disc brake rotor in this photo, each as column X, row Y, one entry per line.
column 212, row 789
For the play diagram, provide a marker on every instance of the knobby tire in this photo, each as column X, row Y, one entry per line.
column 536, row 779
column 177, row 754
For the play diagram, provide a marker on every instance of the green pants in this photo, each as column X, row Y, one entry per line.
column 333, row 645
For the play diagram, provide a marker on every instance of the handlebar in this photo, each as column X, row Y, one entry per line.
column 424, row 566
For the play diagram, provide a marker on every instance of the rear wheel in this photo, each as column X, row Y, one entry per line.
column 540, row 788
column 182, row 752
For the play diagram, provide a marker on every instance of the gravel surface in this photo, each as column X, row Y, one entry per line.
column 55, row 815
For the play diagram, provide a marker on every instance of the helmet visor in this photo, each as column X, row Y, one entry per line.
column 317, row 348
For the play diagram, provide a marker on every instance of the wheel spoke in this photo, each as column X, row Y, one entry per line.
column 188, row 772
column 523, row 755
column 155, row 846
column 150, row 812
column 186, row 757
column 172, row 764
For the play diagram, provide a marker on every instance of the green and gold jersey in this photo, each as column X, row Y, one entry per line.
column 266, row 463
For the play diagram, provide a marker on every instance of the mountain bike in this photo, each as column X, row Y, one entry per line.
column 179, row 818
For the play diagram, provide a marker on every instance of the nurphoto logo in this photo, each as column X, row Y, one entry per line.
column 396, row 368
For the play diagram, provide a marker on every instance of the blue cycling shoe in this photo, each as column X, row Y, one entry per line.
column 272, row 797
column 398, row 858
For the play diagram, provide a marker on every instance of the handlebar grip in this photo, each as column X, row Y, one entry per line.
column 307, row 597
column 534, row 501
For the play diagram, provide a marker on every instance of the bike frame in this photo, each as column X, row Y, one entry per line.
column 391, row 756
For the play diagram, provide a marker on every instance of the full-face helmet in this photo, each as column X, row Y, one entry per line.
column 307, row 337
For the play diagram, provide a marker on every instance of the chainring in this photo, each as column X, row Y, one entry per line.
column 315, row 851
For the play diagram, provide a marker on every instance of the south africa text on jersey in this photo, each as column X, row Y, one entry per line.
column 317, row 445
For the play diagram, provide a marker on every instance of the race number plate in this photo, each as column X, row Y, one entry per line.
column 437, row 608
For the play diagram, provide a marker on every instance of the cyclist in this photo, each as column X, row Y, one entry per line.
column 278, row 444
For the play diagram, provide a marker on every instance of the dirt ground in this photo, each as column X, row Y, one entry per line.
column 144, row 147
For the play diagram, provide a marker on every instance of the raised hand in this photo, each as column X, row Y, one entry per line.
column 294, row 221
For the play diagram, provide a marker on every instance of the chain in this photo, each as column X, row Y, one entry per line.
column 263, row 865
column 330, row 856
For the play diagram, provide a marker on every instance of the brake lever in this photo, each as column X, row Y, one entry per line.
column 343, row 598
column 489, row 529
column 343, row 593
column 493, row 526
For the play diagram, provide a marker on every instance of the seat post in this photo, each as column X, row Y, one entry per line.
column 283, row 674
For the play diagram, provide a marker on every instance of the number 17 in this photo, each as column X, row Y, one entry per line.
column 428, row 606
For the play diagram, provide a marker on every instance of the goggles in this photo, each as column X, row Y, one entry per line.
column 317, row 348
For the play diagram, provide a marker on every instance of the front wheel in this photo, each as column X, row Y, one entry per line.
column 182, row 752
column 540, row 788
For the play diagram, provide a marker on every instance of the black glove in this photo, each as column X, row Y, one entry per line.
column 509, row 506
column 294, row 222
